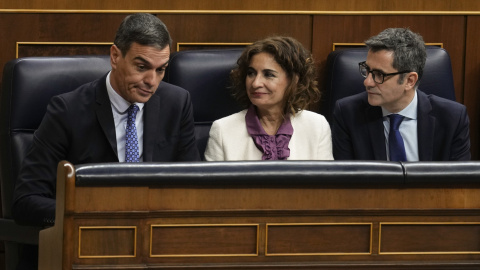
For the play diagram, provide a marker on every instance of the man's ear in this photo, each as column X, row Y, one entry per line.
column 410, row 80
column 115, row 55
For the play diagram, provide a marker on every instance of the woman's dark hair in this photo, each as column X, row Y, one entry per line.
column 295, row 60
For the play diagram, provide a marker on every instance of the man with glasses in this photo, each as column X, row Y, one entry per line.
column 393, row 120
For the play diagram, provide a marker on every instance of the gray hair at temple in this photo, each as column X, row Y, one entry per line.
column 408, row 49
column 144, row 29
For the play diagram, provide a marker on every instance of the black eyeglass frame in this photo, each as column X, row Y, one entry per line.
column 367, row 68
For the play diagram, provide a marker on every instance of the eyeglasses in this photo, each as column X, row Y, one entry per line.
column 378, row 76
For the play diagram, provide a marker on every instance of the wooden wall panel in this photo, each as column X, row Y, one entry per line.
column 318, row 239
column 195, row 240
column 429, row 238
column 54, row 28
column 307, row 5
column 107, row 241
column 47, row 49
column 236, row 28
column 448, row 30
column 183, row 28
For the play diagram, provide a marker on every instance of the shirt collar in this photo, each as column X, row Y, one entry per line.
column 409, row 112
column 118, row 102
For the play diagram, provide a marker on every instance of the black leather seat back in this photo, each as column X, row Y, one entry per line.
column 343, row 77
column 27, row 86
column 205, row 74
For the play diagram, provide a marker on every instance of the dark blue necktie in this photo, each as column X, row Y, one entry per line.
column 131, row 140
column 395, row 140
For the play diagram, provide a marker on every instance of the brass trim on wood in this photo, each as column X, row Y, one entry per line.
column 338, row 44
column 19, row 43
column 335, row 44
column 179, row 44
column 152, row 226
column 319, row 253
column 110, row 228
column 426, row 252
column 439, row 44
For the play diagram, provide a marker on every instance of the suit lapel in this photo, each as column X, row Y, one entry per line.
column 425, row 128
column 152, row 111
column 373, row 115
column 104, row 113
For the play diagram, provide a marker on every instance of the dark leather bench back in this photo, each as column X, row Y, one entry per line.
column 205, row 74
column 27, row 86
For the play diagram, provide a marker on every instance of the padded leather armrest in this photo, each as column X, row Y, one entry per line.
column 442, row 172
column 240, row 173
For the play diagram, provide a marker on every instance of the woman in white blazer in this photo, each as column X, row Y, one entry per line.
column 275, row 81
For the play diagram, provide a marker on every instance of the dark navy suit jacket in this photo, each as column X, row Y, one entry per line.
column 79, row 127
column 442, row 126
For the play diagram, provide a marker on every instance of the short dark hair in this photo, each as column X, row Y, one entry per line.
column 408, row 49
column 295, row 60
column 144, row 29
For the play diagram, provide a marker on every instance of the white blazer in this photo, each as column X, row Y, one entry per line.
column 229, row 139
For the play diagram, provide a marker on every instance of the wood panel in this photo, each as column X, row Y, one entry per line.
column 237, row 28
column 318, row 239
column 194, row 240
column 307, row 5
column 448, row 30
column 429, row 238
column 62, row 48
column 54, row 28
column 263, row 232
column 107, row 241
column 195, row 199
column 102, row 27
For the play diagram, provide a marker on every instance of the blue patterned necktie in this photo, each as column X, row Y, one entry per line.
column 131, row 140
column 395, row 140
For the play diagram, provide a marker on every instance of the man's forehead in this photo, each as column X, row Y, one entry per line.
column 150, row 54
column 383, row 58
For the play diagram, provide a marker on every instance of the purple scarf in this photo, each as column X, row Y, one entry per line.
column 273, row 147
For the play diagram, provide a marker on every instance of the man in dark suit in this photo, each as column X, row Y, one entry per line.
column 90, row 124
column 393, row 120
